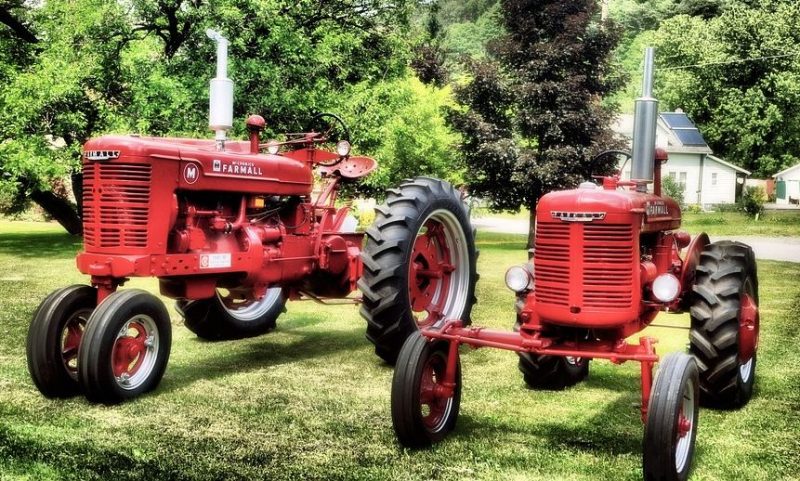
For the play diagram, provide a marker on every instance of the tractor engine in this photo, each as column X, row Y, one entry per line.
column 598, row 253
column 199, row 218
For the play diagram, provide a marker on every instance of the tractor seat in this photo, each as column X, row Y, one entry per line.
column 351, row 168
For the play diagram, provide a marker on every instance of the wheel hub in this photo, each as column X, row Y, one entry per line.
column 435, row 399
column 71, row 341
column 748, row 329
column 133, row 355
column 430, row 273
column 684, row 425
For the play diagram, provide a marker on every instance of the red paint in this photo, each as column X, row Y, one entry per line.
column 748, row 328
column 129, row 351
column 193, row 216
column 429, row 273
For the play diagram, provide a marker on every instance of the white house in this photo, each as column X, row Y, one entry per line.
column 707, row 180
column 787, row 186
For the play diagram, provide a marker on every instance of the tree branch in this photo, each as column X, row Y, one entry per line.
column 20, row 30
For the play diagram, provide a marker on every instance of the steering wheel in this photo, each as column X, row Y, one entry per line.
column 606, row 153
column 330, row 127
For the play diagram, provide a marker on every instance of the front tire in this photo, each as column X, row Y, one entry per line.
column 125, row 347
column 419, row 263
column 725, row 324
column 54, row 338
column 672, row 415
column 422, row 416
column 224, row 318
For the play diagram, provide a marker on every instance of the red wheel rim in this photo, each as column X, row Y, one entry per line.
column 430, row 273
column 133, row 356
column 435, row 405
column 71, row 340
column 748, row 328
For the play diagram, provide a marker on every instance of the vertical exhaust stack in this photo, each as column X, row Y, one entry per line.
column 220, row 102
column 645, row 117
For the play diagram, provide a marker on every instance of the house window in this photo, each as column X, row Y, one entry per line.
column 713, row 178
column 672, row 175
column 682, row 180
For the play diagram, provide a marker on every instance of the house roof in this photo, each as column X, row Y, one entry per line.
column 674, row 131
column 728, row 164
column 786, row 171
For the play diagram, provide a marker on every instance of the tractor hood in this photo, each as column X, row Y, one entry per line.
column 596, row 204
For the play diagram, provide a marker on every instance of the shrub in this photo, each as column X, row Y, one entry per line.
column 753, row 200
column 671, row 188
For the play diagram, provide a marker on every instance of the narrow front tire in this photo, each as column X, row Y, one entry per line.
column 672, row 415
column 421, row 413
column 125, row 348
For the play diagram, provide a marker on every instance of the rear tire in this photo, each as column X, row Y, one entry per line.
column 54, row 338
column 551, row 372
column 125, row 347
column 421, row 417
column 671, row 427
column 419, row 263
column 211, row 319
column 724, row 324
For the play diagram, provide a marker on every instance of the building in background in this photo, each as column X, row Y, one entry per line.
column 706, row 179
column 787, row 186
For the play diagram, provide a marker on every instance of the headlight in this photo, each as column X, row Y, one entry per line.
column 343, row 148
column 666, row 287
column 519, row 279
column 273, row 146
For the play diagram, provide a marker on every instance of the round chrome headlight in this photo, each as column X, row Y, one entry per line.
column 666, row 287
column 519, row 279
column 273, row 146
column 343, row 148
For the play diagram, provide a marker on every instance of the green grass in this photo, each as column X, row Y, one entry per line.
column 311, row 401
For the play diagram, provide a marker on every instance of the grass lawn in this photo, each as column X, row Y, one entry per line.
column 311, row 401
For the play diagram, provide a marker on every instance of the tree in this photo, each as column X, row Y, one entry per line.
column 143, row 67
column 742, row 86
column 532, row 117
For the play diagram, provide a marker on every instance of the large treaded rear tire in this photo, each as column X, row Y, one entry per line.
column 392, row 252
column 551, row 372
column 725, row 274
column 211, row 320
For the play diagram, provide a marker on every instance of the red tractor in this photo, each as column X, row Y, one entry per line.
column 607, row 259
column 232, row 233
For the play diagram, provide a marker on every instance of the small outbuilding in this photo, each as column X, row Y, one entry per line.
column 707, row 180
column 787, row 186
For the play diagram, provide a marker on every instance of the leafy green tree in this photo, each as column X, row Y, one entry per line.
column 532, row 118
column 746, row 109
column 401, row 124
column 143, row 66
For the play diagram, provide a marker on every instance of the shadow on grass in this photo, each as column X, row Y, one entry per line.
column 40, row 244
column 616, row 430
column 258, row 353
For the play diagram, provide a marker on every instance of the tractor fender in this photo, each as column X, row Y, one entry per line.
column 690, row 261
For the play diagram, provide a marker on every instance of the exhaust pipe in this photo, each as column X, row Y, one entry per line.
column 220, row 99
column 645, row 117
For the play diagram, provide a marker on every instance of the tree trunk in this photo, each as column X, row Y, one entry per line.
column 531, row 230
column 59, row 209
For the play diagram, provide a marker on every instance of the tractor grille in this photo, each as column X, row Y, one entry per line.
column 116, row 200
column 601, row 271
column 607, row 273
column 552, row 263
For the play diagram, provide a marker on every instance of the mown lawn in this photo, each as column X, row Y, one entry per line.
column 311, row 401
